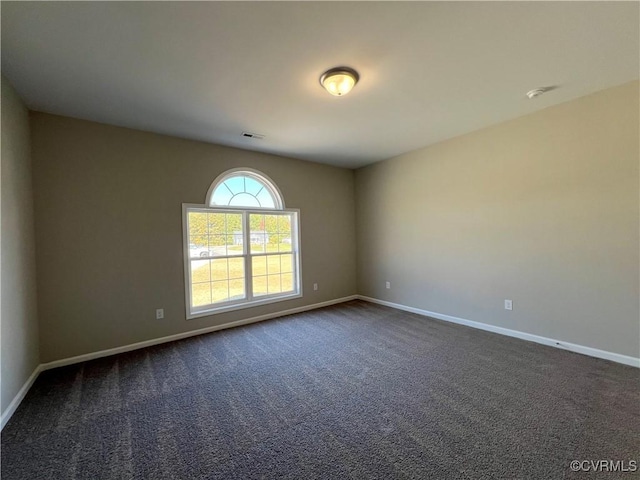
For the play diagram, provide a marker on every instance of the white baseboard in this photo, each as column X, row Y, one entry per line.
column 179, row 336
column 592, row 352
column 15, row 403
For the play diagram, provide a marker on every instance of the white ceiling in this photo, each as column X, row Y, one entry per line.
column 211, row 70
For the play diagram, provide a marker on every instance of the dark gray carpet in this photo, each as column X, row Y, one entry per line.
column 351, row 391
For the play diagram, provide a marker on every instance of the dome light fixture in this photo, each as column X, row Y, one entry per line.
column 536, row 92
column 339, row 81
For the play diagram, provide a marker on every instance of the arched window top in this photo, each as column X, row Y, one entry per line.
column 244, row 188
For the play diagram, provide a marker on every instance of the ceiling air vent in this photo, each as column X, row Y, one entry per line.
column 257, row 136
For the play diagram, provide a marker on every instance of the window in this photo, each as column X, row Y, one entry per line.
column 242, row 246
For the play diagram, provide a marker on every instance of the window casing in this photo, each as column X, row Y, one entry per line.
column 242, row 248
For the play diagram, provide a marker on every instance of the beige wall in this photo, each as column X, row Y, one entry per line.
column 109, row 230
column 542, row 210
column 19, row 325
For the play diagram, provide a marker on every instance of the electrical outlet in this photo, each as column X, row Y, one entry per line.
column 508, row 305
column 315, row 286
column 159, row 313
column 388, row 285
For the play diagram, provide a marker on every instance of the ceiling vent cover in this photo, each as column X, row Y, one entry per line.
column 257, row 136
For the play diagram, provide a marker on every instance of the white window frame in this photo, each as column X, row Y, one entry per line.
column 249, row 301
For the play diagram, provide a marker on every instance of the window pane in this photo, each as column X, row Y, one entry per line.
column 273, row 264
column 217, row 241
column 200, row 271
column 234, row 223
column 256, row 222
column 201, row 251
column 287, row 282
column 235, row 242
column 284, row 225
column 286, row 263
column 252, row 186
column 216, row 222
column 263, row 229
column 217, row 245
column 256, row 237
column 271, row 231
column 258, row 240
column 234, row 250
column 197, row 223
column 236, row 268
column 235, row 184
column 236, row 289
column 260, row 286
column 221, row 196
column 271, row 223
column 220, row 291
column 273, row 284
column 198, row 246
column 219, row 269
column 259, row 266
column 224, row 269
column 265, row 199
column 199, row 239
column 285, row 244
column 200, row 294
column 229, row 240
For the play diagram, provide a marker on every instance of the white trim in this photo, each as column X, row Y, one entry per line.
column 241, row 305
column 179, row 336
column 15, row 403
column 572, row 347
column 593, row 352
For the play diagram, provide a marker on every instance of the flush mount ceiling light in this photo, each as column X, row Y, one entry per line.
column 536, row 92
column 339, row 81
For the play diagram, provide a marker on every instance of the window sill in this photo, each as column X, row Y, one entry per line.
column 241, row 306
